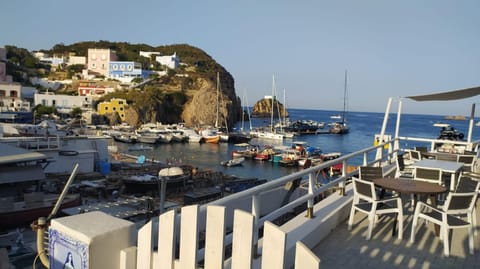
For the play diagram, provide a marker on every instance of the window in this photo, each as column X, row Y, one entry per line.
column 114, row 108
column 120, row 102
column 2, row 93
column 122, row 116
column 13, row 94
column 53, row 102
column 94, row 65
column 44, row 102
column 121, row 109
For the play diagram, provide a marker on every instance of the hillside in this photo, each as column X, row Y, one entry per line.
column 187, row 94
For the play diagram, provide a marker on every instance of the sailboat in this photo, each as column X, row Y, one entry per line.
column 271, row 134
column 211, row 135
column 340, row 127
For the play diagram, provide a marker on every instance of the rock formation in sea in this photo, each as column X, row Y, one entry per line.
column 263, row 109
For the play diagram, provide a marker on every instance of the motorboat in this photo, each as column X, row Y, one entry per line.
column 233, row 162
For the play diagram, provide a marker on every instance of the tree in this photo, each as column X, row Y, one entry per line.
column 76, row 112
column 44, row 110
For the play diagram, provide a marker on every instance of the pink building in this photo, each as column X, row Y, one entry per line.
column 99, row 59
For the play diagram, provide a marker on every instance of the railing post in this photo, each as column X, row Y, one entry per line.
column 341, row 185
column 365, row 158
column 311, row 183
column 256, row 215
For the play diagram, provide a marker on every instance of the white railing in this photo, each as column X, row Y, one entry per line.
column 242, row 254
column 235, row 221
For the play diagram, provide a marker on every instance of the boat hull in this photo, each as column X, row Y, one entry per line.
column 25, row 213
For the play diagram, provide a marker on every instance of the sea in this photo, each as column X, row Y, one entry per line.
column 363, row 127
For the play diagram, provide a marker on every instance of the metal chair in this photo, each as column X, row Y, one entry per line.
column 432, row 175
column 365, row 200
column 468, row 161
column 402, row 169
column 415, row 155
column 369, row 173
column 450, row 217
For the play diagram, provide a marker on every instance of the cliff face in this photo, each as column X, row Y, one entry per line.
column 201, row 107
column 263, row 109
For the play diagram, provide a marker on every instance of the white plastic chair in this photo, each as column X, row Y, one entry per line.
column 450, row 217
column 365, row 200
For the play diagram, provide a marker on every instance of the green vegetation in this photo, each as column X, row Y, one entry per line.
column 162, row 99
column 40, row 110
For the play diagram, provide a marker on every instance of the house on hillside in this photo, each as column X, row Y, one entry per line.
column 114, row 105
column 171, row 61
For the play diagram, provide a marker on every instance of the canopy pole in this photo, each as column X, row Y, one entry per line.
column 470, row 128
column 396, row 145
column 384, row 127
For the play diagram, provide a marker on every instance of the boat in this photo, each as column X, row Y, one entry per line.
column 241, row 184
column 212, row 139
column 147, row 138
column 244, row 150
column 340, row 127
column 447, row 132
column 265, row 154
column 15, row 213
column 140, row 148
column 233, row 162
column 125, row 138
column 269, row 134
column 143, row 183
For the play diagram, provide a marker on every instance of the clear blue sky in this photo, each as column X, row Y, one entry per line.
column 390, row 48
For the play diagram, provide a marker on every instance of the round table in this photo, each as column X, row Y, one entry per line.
column 409, row 186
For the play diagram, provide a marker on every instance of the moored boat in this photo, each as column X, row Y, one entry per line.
column 233, row 162
column 14, row 213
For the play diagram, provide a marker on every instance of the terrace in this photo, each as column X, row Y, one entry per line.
column 247, row 231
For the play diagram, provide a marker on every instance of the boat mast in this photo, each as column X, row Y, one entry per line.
column 218, row 82
column 344, row 97
column 284, row 111
column 273, row 99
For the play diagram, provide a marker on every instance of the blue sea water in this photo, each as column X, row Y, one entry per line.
column 363, row 126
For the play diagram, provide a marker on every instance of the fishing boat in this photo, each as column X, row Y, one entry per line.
column 233, row 162
column 151, row 183
column 244, row 150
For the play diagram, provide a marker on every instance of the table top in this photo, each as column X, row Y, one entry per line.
column 446, row 166
column 409, row 186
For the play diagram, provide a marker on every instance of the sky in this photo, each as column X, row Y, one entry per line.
column 389, row 48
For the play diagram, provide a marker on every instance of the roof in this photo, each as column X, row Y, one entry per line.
column 11, row 154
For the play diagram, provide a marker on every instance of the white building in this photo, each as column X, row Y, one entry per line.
column 63, row 103
column 73, row 60
column 11, row 98
column 171, row 61
column 148, row 54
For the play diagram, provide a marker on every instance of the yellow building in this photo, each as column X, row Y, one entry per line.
column 115, row 105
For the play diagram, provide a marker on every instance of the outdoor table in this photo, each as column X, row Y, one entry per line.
column 411, row 186
column 453, row 168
